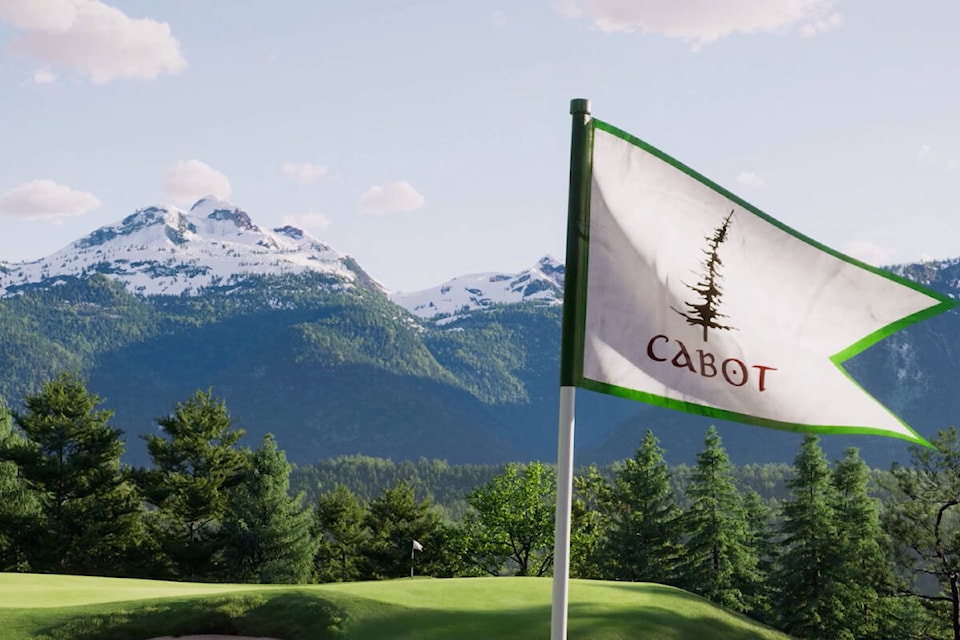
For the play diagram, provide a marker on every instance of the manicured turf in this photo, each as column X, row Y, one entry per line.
column 80, row 608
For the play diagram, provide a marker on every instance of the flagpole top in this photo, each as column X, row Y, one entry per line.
column 580, row 105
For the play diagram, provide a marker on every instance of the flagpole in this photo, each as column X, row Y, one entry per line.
column 571, row 350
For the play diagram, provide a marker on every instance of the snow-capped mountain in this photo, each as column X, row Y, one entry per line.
column 168, row 251
column 542, row 282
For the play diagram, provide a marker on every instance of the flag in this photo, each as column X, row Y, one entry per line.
column 416, row 546
column 690, row 298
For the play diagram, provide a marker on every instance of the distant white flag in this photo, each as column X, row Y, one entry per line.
column 417, row 546
column 695, row 300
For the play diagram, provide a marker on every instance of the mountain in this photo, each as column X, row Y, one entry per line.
column 295, row 336
column 299, row 341
column 542, row 283
column 167, row 251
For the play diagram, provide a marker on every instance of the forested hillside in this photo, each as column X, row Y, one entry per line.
column 336, row 369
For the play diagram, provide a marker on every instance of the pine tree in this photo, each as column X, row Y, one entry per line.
column 718, row 561
column 395, row 520
column 808, row 602
column 341, row 536
column 643, row 540
column 19, row 505
column 862, row 545
column 266, row 533
column 194, row 466
column 91, row 513
column 763, row 541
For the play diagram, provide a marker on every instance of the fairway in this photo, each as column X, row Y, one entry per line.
column 30, row 590
column 85, row 608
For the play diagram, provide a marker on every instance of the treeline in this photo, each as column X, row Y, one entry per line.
column 447, row 485
column 817, row 557
column 444, row 485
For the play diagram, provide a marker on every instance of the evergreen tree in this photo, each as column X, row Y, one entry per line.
column 923, row 519
column 861, row 545
column 90, row 512
column 511, row 521
column 194, row 466
column 266, row 533
column 395, row 520
column 341, row 535
column 643, row 540
column 807, row 602
column 19, row 506
column 718, row 561
column 763, row 541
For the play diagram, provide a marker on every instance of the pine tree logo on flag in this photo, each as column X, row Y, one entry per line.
column 708, row 288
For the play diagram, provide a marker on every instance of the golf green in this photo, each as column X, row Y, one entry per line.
column 86, row 608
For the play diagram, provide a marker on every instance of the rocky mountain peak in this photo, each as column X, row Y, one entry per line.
column 216, row 209
column 541, row 283
column 162, row 250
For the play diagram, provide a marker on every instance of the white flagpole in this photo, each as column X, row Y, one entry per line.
column 571, row 351
column 561, row 533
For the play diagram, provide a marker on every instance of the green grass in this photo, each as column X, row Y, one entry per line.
column 86, row 608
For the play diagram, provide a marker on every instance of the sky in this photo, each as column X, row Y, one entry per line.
column 431, row 139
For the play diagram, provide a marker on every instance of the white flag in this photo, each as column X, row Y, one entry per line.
column 417, row 546
column 695, row 300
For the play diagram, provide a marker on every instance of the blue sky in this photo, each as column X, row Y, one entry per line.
column 431, row 139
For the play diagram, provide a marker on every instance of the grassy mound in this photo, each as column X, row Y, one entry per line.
column 86, row 608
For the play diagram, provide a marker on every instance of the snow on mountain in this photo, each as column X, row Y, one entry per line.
column 168, row 251
column 542, row 282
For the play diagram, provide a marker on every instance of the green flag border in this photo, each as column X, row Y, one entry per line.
column 944, row 303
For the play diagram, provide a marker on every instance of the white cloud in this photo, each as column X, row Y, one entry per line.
column 92, row 38
column 39, row 15
column 42, row 76
column 750, row 179
column 305, row 173
column 309, row 220
column 391, row 198
column 934, row 158
column 46, row 199
column 700, row 22
column 868, row 252
column 815, row 28
column 189, row 180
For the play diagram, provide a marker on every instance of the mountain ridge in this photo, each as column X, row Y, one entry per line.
column 333, row 364
column 164, row 250
column 541, row 283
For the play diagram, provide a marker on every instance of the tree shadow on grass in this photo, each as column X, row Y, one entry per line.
column 289, row 616
column 740, row 625
column 303, row 615
column 585, row 622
